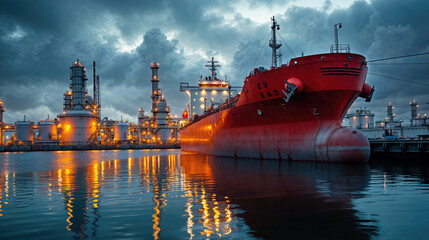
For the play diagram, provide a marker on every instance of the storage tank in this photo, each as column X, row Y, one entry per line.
column 24, row 131
column 419, row 121
column 361, row 119
column 120, row 131
column 47, row 131
column 78, row 127
column 353, row 121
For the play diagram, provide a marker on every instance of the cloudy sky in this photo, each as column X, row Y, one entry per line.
column 39, row 40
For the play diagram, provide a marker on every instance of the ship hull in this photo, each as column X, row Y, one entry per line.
column 305, row 128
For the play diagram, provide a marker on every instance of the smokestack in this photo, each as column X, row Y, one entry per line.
column 98, row 95
column 2, row 109
column 94, row 85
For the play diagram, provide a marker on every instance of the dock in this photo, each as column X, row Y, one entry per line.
column 25, row 148
column 400, row 149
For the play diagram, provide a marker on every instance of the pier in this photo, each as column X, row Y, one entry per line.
column 23, row 148
column 400, row 149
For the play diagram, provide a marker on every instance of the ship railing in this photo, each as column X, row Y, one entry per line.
column 340, row 48
column 184, row 86
column 231, row 103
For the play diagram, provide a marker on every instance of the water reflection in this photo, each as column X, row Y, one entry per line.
column 187, row 196
column 298, row 200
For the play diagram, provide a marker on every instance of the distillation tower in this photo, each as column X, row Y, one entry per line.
column 160, row 128
column 78, row 123
column 160, row 109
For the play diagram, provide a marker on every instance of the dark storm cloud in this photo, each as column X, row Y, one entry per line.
column 40, row 39
column 377, row 30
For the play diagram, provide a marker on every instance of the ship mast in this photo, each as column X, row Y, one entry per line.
column 212, row 65
column 273, row 43
column 336, row 28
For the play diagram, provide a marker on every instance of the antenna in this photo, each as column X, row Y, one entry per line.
column 98, row 96
column 212, row 65
column 273, row 43
column 95, row 86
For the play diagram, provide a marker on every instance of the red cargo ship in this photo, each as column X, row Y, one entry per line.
column 291, row 112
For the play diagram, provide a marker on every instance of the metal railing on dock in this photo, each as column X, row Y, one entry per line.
column 403, row 149
column 19, row 148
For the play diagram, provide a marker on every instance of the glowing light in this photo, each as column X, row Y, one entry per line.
column 225, row 92
column 214, row 92
column 202, row 106
column 201, row 99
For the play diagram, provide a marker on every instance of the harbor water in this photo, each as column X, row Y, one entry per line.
column 169, row 194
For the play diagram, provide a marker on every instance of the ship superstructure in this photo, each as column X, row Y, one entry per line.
column 292, row 111
column 209, row 93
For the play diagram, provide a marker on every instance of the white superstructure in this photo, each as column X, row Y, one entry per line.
column 210, row 92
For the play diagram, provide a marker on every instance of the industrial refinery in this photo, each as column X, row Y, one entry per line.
column 390, row 127
column 80, row 125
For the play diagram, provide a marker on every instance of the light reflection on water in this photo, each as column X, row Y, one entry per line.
column 170, row 195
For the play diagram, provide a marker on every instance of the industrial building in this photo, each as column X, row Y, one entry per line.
column 80, row 124
column 390, row 128
column 160, row 127
column 210, row 92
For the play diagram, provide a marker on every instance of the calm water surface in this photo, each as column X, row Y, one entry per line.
column 166, row 194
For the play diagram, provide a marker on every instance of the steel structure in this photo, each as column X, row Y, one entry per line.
column 273, row 43
column 78, row 123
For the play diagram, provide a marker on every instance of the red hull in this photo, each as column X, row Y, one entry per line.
column 263, row 125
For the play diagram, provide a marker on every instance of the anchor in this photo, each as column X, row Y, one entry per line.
column 290, row 90
column 368, row 99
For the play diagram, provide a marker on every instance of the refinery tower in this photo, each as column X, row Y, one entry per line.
column 2, row 109
column 78, row 123
column 160, row 109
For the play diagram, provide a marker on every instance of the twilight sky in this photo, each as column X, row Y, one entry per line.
column 39, row 40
